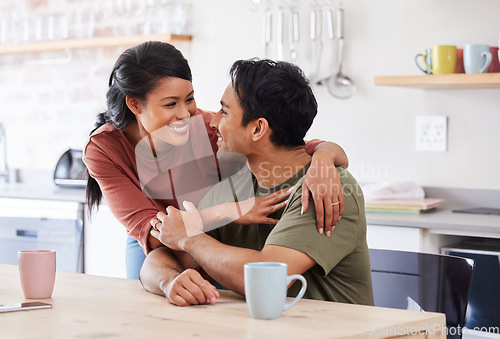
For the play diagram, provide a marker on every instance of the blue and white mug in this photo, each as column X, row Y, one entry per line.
column 266, row 284
column 428, row 59
column 477, row 58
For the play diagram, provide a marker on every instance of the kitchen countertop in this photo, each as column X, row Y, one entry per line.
column 43, row 192
column 441, row 220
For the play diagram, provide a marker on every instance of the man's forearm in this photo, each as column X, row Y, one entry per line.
column 222, row 262
column 159, row 268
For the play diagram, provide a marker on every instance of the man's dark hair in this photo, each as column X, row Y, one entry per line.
column 279, row 92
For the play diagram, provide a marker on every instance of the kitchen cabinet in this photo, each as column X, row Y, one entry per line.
column 97, row 42
column 27, row 224
column 395, row 238
column 104, row 244
column 412, row 238
column 52, row 217
column 428, row 232
column 442, row 81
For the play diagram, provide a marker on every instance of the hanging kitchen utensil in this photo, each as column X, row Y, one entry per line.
column 280, row 34
column 268, row 21
column 340, row 86
column 316, row 44
column 293, row 36
column 327, row 57
column 314, row 66
column 329, row 20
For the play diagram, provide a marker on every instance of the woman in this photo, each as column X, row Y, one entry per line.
column 154, row 148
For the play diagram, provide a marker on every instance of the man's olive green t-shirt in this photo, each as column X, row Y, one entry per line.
column 342, row 270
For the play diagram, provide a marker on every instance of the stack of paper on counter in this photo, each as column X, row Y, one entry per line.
column 402, row 205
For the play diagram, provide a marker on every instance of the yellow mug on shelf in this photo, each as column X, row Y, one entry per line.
column 444, row 59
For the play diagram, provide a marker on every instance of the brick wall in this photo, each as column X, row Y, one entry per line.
column 48, row 108
column 50, row 100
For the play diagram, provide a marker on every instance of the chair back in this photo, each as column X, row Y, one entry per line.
column 422, row 281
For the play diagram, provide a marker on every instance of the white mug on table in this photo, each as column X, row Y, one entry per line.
column 266, row 284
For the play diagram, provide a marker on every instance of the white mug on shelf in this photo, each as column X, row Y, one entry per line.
column 477, row 58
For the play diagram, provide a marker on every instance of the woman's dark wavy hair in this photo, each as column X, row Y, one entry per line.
column 135, row 74
column 279, row 92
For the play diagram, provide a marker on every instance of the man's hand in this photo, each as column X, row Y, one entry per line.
column 323, row 180
column 189, row 288
column 176, row 226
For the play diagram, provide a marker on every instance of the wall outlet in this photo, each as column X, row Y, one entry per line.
column 431, row 133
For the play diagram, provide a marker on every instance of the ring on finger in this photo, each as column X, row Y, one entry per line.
column 155, row 223
column 335, row 203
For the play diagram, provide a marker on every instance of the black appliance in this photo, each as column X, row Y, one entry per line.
column 70, row 170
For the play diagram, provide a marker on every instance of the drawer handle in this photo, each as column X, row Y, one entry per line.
column 26, row 233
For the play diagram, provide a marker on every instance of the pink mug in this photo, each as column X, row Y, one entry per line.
column 37, row 270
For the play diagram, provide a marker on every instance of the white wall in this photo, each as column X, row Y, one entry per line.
column 377, row 126
column 50, row 108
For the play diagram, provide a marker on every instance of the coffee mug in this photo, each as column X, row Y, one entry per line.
column 37, row 270
column 495, row 64
column 459, row 68
column 444, row 59
column 428, row 60
column 477, row 58
column 266, row 284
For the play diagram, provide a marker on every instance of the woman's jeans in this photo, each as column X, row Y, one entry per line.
column 134, row 257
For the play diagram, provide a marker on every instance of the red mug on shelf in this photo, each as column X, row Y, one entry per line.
column 495, row 64
column 459, row 68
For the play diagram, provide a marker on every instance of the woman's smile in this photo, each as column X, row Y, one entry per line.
column 181, row 127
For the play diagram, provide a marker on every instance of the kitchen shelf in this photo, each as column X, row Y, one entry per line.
column 442, row 81
column 98, row 42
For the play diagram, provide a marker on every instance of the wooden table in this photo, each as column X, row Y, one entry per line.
column 86, row 306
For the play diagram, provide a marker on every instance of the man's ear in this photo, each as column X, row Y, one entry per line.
column 133, row 104
column 260, row 128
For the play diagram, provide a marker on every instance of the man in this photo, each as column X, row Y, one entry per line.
column 266, row 111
